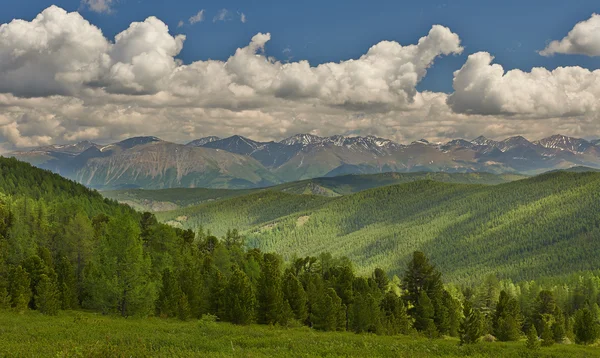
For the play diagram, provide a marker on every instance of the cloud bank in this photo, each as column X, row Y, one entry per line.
column 62, row 80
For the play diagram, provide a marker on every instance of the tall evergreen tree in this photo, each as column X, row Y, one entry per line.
column 67, row 284
column 470, row 328
column 240, row 300
column 19, row 289
column 120, row 277
column 47, row 299
column 295, row 295
column 424, row 314
column 395, row 317
column 532, row 342
column 507, row 319
column 422, row 276
column 270, row 293
column 585, row 328
column 327, row 312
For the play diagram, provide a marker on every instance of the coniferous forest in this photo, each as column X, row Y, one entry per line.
column 65, row 248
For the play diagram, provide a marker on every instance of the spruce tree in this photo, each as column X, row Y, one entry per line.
column 19, row 289
column 506, row 321
column 327, row 311
column 395, row 318
column 532, row 342
column 47, row 296
column 585, row 328
column 470, row 327
column 270, row 294
column 295, row 295
column 422, row 276
column 120, row 279
column 169, row 295
column 67, row 284
column 424, row 313
column 547, row 336
column 240, row 300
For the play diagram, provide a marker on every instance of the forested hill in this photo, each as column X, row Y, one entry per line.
column 543, row 226
column 171, row 199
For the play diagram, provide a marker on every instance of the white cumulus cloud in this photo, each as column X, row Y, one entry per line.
column 583, row 39
column 481, row 87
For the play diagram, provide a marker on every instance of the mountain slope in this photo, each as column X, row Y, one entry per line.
column 171, row 199
column 165, row 165
column 306, row 156
column 542, row 226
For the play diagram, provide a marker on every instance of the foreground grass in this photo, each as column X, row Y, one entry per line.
column 76, row 334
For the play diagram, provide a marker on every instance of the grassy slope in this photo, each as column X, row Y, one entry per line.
column 76, row 334
column 171, row 199
column 543, row 226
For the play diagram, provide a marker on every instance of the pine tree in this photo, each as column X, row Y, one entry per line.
column 364, row 310
column 453, row 308
column 470, row 328
column 67, row 284
column 183, row 307
column 19, row 289
column 558, row 327
column 422, row 276
column 270, row 294
column 169, row 295
column 381, row 279
column 295, row 295
column 585, row 328
column 507, row 319
column 327, row 311
column 120, row 279
column 547, row 336
column 240, row 300
column 532, row 342
column 395, row 318
column 47, row 296
column 424, row 313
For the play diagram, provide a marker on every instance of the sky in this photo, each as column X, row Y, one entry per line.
column 105, row 70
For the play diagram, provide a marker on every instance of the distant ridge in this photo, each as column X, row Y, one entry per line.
column 241, row 162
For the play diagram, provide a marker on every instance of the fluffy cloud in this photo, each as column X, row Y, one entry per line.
column 62, row 80
column 481, row 87
column 583, row 39
column 243, row 17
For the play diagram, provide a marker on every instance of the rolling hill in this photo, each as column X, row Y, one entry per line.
column 171, row 199
column 542, row 226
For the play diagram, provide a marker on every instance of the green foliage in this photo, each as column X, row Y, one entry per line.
column 507, row 319
column 47, row 296
column 470, row 327
column 295, row 296
column 523, row 230
column 532, row 342
column 19, row 289
column 585, row 327
column 270, row 293
column 240, row 301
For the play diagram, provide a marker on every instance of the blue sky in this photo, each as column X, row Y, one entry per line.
column 64, row 77
column 329, row 31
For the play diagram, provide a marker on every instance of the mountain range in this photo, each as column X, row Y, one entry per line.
column 241, row 163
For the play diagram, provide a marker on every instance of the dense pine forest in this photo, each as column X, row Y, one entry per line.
column 64, row 247
column 526, row 229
